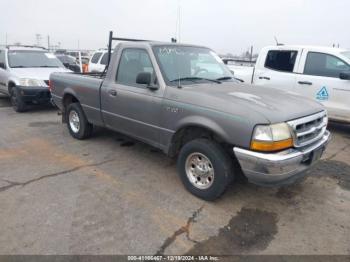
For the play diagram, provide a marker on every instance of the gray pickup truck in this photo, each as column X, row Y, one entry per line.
column 183, row 100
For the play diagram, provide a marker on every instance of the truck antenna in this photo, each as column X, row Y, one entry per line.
column 178, row 22
column 277, row 43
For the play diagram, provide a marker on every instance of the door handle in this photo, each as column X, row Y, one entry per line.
column 112, row 92
column 304, row 83
column 264, row 77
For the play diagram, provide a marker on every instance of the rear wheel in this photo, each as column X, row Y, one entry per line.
column 205, row 168
column 17, row 101
column 77, row 123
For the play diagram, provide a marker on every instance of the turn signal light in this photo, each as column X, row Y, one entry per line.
column 270, row 146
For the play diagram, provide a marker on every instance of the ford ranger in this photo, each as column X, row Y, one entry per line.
column 183, row 100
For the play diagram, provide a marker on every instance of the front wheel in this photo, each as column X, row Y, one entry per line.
column 17, row 101
column 77, row 123
column 205, row 168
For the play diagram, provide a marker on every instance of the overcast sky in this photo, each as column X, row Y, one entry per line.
column 224, row 25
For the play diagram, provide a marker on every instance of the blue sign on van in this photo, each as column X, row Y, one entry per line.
column 322, row 95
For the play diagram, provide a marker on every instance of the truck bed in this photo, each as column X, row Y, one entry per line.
column 84, row 87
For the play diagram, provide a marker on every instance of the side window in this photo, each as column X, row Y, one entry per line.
column 104, row 59
column 281, row 60
column 95, row 58
column 319, row 64
column 132, row 62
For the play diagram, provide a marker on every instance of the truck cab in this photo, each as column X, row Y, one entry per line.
column 319, row 73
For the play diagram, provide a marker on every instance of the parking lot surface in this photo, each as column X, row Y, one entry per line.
column 113, row 195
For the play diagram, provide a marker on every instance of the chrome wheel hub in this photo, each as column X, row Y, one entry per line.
column 199, row 170
column 74, row 121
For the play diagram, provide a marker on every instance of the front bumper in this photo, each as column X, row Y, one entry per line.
column 280, row 168
column 34, row 94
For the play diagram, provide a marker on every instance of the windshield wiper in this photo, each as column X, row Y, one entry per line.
column 224, row 78
column 46, row 66
column 19, row 66
column 229, row 78
column 193, row 79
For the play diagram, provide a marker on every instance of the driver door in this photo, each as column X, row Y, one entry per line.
column 129, row 107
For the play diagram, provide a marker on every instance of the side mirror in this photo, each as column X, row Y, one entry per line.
column 2, row 65
column 345, row 76
column 232, row 72
column 145, row 78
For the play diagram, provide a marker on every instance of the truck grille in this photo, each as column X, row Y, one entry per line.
column 310, row 129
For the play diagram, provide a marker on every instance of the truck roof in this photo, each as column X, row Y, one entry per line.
column 321, row 49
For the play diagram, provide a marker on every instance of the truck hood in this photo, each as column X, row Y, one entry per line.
column 269, row 105
column 37, row 73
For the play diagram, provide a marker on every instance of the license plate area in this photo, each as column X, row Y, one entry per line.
column 316, row 154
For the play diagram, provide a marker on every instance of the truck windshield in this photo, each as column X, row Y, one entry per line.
column 187, row 65
column 347, row 54
column 24, row 59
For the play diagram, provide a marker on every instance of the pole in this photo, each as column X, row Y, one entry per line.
column 251, row 54
column 48, row 42
column 80, row 63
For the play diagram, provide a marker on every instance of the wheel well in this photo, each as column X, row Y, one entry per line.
column 66, row 101
column 10, row 86
column 188, row 133
column 69, row 99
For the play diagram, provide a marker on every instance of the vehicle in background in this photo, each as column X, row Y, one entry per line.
column 238, row 62
column 69, row 62
column 243, row 69
column 24, row 74
column 183, row 100
column 319, row 73
column 85, row 56
column 81, row 58
column 60, row 52
column 98, row 61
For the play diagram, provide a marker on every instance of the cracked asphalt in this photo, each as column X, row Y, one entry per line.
column 113, row 195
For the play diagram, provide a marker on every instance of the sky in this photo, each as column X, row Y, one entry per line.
column 227, row 26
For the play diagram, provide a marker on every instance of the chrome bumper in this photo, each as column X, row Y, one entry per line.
column 280, row 168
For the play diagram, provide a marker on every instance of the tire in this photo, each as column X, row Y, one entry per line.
column 217, row 172
column 77, row 123
column 17, row 101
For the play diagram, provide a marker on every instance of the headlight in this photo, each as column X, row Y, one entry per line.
column 31, row 82
column 271, row 138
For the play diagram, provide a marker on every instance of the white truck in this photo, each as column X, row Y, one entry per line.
column 320, row 73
